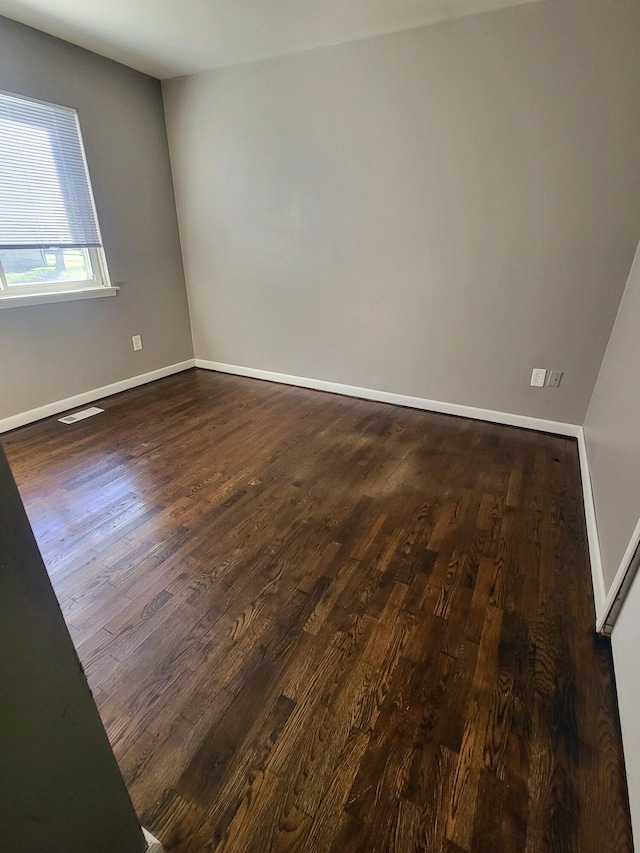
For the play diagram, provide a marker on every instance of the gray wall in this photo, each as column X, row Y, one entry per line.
column 54, row 351
column 433, row 212
column 60, row 787
column 612, row 432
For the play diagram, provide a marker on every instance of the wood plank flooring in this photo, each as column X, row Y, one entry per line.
column 313, row 623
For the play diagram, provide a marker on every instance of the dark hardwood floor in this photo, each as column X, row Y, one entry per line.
column 315, row 623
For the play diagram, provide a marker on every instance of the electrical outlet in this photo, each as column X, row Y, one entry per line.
column 538, row 377
column 555, row 378
column 137, row 342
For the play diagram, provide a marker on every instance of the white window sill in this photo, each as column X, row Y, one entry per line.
column 14, row 301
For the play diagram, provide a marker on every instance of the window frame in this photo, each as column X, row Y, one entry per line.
column 61, row 291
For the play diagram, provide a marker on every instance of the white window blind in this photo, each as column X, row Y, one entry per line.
column 45, row 192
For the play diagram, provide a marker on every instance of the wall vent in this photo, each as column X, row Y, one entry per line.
column 80, row 416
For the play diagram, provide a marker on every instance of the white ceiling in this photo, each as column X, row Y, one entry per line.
column 168, row 38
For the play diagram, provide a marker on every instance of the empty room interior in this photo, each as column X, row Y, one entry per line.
column 320, row 426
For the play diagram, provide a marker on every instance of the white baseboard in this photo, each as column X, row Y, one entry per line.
column 621, row 584
column 153, row 845
column 506, row 418
column 608, row 603
column 396, row 399
column 595, row 555
column 59, row 406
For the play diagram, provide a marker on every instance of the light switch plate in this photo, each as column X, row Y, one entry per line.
column 555, row 378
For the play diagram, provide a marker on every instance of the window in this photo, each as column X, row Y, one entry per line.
column 50, row 243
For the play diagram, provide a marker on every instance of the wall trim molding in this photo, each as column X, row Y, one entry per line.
column 603, row 603
column 28, row 417
column 442, row 408
column 621, row 584
column 593, row 539
column 607, row 603
column 153, row 845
